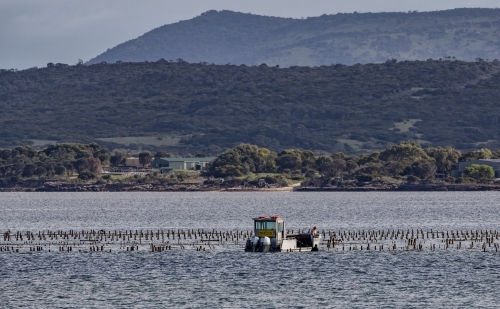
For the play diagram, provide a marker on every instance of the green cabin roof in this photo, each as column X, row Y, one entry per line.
column 205, row 159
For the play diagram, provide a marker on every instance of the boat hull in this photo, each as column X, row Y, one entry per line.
column 293, row 243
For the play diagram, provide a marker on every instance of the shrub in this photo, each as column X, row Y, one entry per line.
column 412, row 179
column 298, row 178
column 465, row 179
column 276, row 179
column 310, row 174
column 86, row 175
column 364, row 178
column 479, row 171
column 241, row 160
column 450, row 179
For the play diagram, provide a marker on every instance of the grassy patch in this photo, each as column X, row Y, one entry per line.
column 116, row 177
column 405, row 125
column 485, row 143
column 42, row 142
column 351, row 142
column 145, row 140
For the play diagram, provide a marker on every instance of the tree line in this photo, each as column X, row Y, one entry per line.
column 62, row 161
column 406, row 160
column 55, row 160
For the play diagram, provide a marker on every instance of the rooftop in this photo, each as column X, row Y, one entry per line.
column 204, row 159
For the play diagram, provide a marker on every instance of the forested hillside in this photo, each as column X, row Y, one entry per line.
column 189, row 108
column 229, row 37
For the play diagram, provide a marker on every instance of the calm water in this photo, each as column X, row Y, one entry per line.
column 234, row 279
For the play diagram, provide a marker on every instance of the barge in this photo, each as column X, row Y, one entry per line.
column 270, row 235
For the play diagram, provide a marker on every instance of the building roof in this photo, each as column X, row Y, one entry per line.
column 495, row 163
column 480, row 160
column 205, row 159
column 490, row 160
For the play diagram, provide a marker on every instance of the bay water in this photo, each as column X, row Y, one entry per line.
column 231, row 278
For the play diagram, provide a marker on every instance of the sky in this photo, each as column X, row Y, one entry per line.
column 34, row 33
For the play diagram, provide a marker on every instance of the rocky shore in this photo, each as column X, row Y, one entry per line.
column 406, row 187
column 113, row 187
column 192, row 187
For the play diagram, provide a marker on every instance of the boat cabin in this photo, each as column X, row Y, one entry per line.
column 270, row 235
column 272, row 227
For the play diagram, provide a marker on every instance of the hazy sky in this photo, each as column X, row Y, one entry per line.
column 33, row 33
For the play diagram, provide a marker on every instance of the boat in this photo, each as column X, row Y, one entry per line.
column 270, row 235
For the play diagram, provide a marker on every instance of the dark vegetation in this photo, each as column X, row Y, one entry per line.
column 72, row 163
column 229, row 37
column 55, row 161
column 353, row 109
column 404, row 162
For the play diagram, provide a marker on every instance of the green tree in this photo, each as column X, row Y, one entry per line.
column 69, row 167
column 5, row 154
column 369, row 158
column 145, row 158
column 424, row 169
column 18, row 167
column 479, row 171
column 295, row 159
column 351, row 166
column 323, row 162
column 86, row 175
column 117, row 158
column 103, row 155
column 241, row 160
column 40, row 171
column 330, row 167
column 483, row 153
column 81, row 165
column 289, row 159
column 444, row 157
column 163, row 154
column 60, row 170
column 412, row 179
column 404, row 151
column 372, row 169
column 393, row 168
column 29, row 170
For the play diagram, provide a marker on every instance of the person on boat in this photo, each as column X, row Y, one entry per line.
column 314, row 232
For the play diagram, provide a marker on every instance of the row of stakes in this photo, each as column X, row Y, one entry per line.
column 200, row 239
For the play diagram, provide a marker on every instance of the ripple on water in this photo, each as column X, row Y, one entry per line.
column 234, row 279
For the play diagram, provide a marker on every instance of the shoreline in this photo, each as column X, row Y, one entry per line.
column 132, row 187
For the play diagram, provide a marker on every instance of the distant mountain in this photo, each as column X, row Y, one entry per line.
column 186, row 108
column 229, row 37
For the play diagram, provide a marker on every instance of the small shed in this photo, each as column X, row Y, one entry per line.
column 133, row 162
column 181, row 164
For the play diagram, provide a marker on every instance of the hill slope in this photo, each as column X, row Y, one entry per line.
column 229, row 37
column 191, row 107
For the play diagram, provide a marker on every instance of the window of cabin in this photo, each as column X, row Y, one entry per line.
column 265, row 225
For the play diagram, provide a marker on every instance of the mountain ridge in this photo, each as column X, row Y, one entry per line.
column 223, row 37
